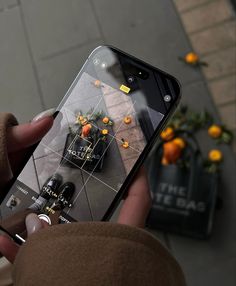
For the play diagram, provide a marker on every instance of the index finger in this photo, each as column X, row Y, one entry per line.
column 24, row 135
column 137, row 203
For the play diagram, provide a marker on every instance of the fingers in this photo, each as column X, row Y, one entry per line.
column 8, row 248
column 24, row 135
column 137, row 203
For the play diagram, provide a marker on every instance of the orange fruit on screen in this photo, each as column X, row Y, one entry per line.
column 86, row 130
column 127, row 120
column 125, row 144
column 97, row 83
column 214, row 131
column 84, row 121
column 105, row 120
column 104, row 131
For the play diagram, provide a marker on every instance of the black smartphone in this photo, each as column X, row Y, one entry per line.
column 104, row 128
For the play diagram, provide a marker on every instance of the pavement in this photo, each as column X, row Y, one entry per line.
column 211, row 28
column 44, row 44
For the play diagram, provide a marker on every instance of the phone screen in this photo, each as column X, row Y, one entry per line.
column 106, row 120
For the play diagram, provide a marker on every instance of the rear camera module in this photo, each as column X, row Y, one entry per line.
column 167, row 98
column 130, row 79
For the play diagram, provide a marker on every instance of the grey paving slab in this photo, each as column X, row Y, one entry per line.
column 199, row 272
column 228, row 115
column 19, row 93
column 223, row 91
column 220, row 64
column 150, row 30
column 29, row 176
column 216, row 38
column 100, row 197
column 57, row 25
column 58, row 72
column 221, row 273
column 207, row 15
column 184, row 5
column 116, row 213
column 6, row 4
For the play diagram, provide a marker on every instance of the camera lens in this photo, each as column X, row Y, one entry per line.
column 167, row 98
column 130, row 79
column 103, row 65
column 142, row 74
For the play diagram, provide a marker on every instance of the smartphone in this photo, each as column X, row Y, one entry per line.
column 104, row 128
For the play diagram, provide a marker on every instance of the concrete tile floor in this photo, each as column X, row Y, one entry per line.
column 44, row 44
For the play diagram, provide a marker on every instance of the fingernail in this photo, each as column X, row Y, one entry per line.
column 49, row 112
column 33, row 223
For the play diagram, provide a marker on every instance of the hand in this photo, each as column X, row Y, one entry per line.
column 133, row 212
column 19, row 138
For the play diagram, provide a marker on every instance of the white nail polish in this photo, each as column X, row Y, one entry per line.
column 43, row 114
column 33, row 223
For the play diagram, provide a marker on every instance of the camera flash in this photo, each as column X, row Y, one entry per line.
column 124, row 88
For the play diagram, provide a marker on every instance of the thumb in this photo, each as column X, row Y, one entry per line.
column 9, row 248
column 33, row 223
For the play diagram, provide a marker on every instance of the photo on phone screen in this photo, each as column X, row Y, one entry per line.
column 108, row 118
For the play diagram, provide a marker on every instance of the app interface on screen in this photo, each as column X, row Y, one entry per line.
column 80, row 165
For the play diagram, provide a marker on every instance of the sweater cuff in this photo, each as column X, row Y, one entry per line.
column 6, row 120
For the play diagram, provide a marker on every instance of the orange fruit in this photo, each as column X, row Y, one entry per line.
column 97, row 83
column 125, row 144
column 191, row 58
column 105, row 120
column 167, row 134
column 127, row 120
column 215, row 155
column 164, row 161
column 215, row 131
column 84, row 121
column 171, row 151
column 180, row 141
column 86, row 130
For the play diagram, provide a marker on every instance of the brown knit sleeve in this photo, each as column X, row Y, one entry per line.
column 6, row 120
column 95, row 254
